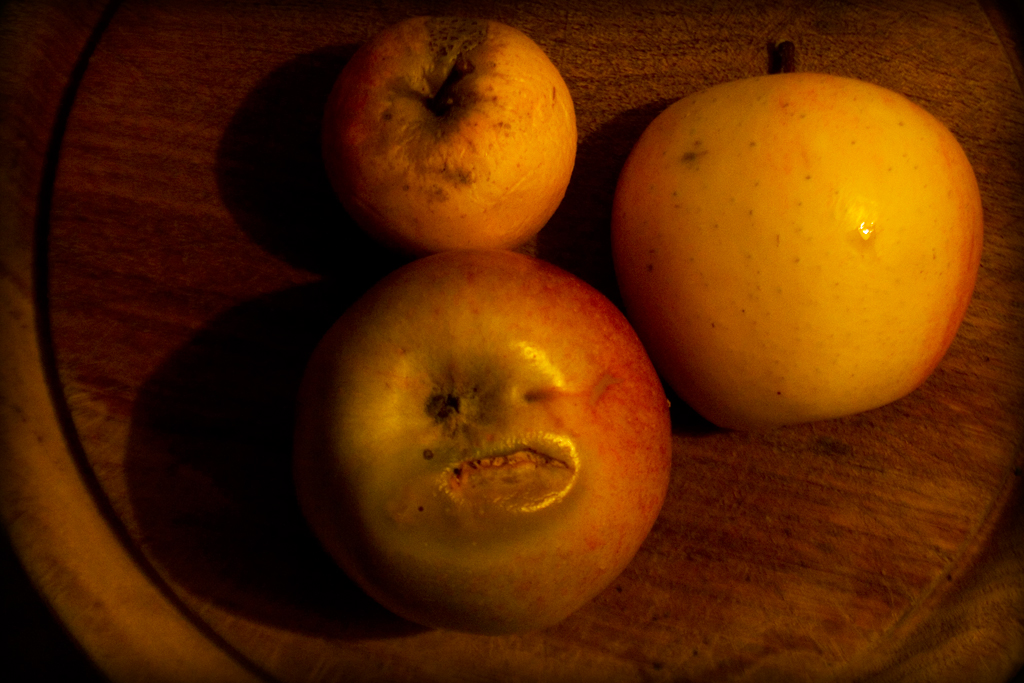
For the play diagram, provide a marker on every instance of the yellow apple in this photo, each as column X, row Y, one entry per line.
column 795, row 247
column 450, row 133
column 482, row 442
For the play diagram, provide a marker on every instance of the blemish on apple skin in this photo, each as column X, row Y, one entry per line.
column 607, row 380
column 436, row 193
column 521, row 480
column 538, row 395
column 457, row 175
column 691, row 157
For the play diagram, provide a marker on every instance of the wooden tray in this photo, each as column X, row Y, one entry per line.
column 170, row 253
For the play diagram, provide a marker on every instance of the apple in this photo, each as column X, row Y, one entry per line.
column 450, row 133
column 795, row 247
column 482, row 443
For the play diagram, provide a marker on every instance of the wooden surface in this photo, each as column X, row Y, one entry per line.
column 188, row 254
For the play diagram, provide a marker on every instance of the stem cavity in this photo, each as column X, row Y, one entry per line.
column 444, row 99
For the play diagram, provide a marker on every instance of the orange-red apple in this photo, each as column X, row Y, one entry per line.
column 482, row 442
column 796, row 247
column 450, row 133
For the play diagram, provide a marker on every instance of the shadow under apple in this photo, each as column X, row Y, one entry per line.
column 209, row 454
column 578, row 236
column 271, row 175
column 209, row 472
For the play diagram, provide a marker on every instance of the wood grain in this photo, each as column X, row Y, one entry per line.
column 193, row 254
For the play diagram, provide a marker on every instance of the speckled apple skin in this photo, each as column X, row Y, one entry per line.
column 488, row 173
column 796, row 247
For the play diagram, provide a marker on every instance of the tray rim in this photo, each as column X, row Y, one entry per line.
column 92, row 581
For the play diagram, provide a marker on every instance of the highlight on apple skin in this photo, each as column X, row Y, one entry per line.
column 482, row 443
column 450, row 133
column 796, row 247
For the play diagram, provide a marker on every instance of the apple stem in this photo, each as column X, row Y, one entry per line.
column 782, row 58
column 443, row 100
